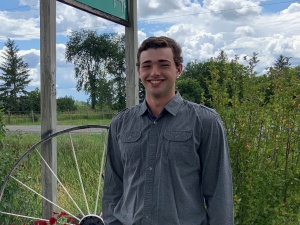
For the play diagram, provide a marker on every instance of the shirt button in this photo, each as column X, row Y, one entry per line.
column 150, row 168
column 147, row 217
column 155, row 122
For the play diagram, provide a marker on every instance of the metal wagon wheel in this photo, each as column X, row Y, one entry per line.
column 81, row 153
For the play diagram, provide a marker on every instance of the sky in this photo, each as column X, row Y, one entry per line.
column 202, row 27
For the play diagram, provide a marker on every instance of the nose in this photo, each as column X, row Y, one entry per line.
column 155, row 70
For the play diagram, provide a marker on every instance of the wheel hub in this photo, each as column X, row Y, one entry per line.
column 91, row 220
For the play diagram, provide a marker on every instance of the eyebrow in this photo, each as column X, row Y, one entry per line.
column 160, row 61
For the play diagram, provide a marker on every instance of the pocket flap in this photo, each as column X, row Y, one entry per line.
column 130, row 137
column 178, row 135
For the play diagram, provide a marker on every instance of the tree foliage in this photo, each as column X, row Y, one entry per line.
column 2, row 126
column 117, row 68
column 14, row 77
column 261, row 117
column 30, row 102
column 226, row 74
column 99, row 62
column 66, row 104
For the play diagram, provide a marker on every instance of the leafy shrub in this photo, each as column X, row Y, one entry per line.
column 261, row 117
column 66, row 104
column 2, row 126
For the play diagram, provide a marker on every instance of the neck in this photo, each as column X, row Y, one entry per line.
column 156, row 105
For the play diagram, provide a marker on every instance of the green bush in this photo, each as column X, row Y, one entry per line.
column 264, row 144
column 14, row 147
column 261, row 115
column 66, row 104
column 2, row 127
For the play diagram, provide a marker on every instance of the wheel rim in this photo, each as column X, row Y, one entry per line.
column 75, row 199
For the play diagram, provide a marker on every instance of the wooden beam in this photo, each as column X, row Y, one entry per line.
column 48, row 102
column 132, row 85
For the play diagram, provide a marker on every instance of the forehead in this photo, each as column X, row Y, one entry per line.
column 157, row 54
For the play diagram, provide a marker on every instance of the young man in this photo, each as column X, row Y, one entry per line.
column 167, row 160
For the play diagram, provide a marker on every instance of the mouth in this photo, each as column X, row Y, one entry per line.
column 155, row 81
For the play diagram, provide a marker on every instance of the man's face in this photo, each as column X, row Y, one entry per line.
column 158, row 72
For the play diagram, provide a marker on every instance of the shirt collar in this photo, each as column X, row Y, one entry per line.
column 172, row 107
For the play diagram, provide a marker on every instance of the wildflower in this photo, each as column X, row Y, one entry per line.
column 62, row 214
column 52, row 220
column 248, row 147
column 40, row 222
column 71, row 219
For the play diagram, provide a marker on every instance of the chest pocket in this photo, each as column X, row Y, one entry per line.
column 130, row 146
column 180, row 148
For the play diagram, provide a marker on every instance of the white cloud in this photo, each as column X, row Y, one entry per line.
column 69, row 18
column 293, row 8
column 141, row 37
column 32, row 57
column 17, row 28
column 35, row 77
column 239, row 28
column 233, row 9
column 31, row 3
column 158, row 7
column 244, row 31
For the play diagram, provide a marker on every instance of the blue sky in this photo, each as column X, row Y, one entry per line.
column 203, row 28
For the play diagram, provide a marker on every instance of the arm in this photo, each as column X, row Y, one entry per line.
column 113, row 180
column 216, row 173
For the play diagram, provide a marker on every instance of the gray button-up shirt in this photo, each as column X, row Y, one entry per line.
column 171, row 170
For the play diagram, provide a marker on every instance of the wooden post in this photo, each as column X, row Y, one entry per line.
column 32, row 116
column 8, row 117
column 132, row 85
column 48, row 101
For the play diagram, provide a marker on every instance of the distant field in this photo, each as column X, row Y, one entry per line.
column 71, row 118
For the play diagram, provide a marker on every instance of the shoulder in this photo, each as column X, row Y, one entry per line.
column 120, row 115
column 201, row 110
column 125, row 114
column 208, row 118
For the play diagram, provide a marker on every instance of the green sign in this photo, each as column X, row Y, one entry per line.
column 113, row 10
column 117, row 8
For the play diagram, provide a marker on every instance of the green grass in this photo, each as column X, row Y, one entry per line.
column 17, row 199
column 77, row 118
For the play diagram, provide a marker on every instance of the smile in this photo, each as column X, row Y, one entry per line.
column 155, row 81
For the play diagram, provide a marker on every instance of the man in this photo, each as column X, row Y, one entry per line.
column 167, row 160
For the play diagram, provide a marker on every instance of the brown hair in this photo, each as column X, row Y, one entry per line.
column 161, row 42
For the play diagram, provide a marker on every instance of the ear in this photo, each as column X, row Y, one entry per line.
column 138, row 70
column 179, row 70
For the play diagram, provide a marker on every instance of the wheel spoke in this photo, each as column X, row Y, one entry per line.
column 79, row 175
column 101, row 173
column 58, row 180
column 29, row 188
column 27, row 217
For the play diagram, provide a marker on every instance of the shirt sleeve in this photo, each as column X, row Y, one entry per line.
column 113, row 179
column 216, row 172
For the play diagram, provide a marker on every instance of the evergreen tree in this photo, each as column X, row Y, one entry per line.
column 14, row 77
